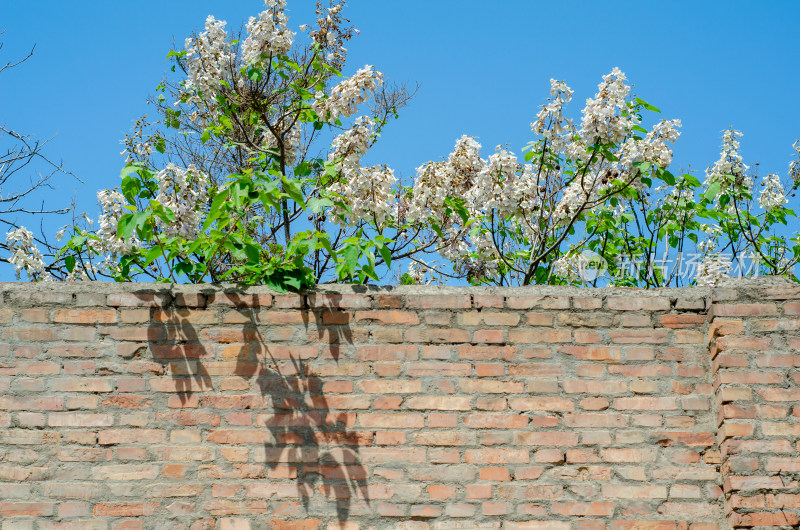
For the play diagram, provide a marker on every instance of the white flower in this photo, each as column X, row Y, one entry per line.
column 267, row 34
column 113, row 205
column 453, row 178
column 773, row 194
column 794, row 165
column 602, row 120
column 207, row 58
column 729, row 170
column 566, row 267
column 369, row 194
column 652, row 148
column 347, row 95
column 368, row 191
column 712, row 268
column 25, row 255
column 184, row 192
column 417, row 271
column 550, row 122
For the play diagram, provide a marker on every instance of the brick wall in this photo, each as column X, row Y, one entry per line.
column 147, row 406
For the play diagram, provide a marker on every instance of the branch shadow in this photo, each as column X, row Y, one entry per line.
column 310, row 441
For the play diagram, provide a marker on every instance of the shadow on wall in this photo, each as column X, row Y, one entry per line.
column 305, row 434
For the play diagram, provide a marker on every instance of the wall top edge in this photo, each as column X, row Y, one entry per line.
column 737, row 284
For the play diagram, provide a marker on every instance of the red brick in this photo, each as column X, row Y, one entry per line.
column 539, row 335
column 634, row 491
column 496, row 456
column 378, row 420
column 635, row 336
column 496, row 421
column 438, row 403
column 541, row 403
column 593, row 353
column 583, row 509
column 645, row 403
column 537, row 302
column 631, row 303
column 137, row 299
column 386, row 353
column 124, row 509
column 34, row 509
column 743, row 310
column 546, row 438
column 476, row 386
column 438, row 302
column 390, row 386
column 83, row 384
column 137, row 436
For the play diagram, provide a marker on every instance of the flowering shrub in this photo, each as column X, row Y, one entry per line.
column 243, row 195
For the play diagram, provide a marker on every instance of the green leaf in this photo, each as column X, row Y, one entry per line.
column 293, row 190
column 216, row 208
column 316, row 204
column 712, row 191
column 129, row 170
column 152, row 254
column 350, row 254
column 161, row 145
column 667, row 177
column 69, row 261
column 689, row 179
column 206, row 136
column 125, row 225
column 385, row 253
column 253, row 253
column 647, row 105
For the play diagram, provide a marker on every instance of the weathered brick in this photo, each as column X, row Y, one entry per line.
column 638, row 303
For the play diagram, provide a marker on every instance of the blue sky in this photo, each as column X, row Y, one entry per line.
column 483, row 71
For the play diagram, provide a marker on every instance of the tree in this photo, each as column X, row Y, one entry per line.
column 243, row 173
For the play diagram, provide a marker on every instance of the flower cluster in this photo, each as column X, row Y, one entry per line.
column 331, row 32
column 113, row 205
column 606, row 119
column 436, row 181
column 25, row 255
column 417, row 271
column 729, row 171
column 184, row 192
column 653, row 148
column 367, row 191
column 291, row 140
column 773, row 195
column 348, row 95
column 138, row 147
column 713, row 268
column 208, row 55
column 267, row 34
column 568, row 267
column 794, row 165
column 551, row 123
column 524, row 207
column 353, row 144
